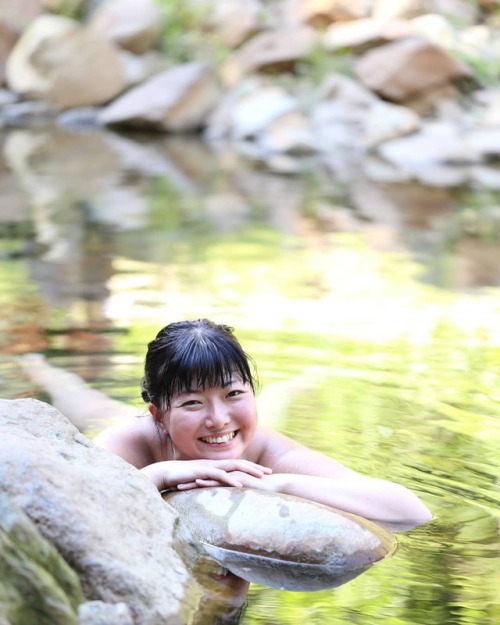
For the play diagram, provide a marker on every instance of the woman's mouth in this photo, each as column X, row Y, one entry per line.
column 218, row 440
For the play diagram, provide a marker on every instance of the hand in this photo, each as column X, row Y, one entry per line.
column 186, row 474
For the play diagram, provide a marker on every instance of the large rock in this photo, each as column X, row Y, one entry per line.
column 37, row 587
column 321, row 12
column 104, row 517
column 177, row 100
column 134, row 26
column 275, row 50
column 280, row 540
column 58, row 60
column 403, row 69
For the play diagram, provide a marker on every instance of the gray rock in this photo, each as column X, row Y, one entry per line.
column 104, row 517
column 177, row 100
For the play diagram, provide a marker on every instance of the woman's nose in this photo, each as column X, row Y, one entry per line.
column 218, row 417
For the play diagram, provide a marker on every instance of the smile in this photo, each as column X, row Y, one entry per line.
column 217, row 440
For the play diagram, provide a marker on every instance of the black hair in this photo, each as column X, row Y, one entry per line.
column 198, row 352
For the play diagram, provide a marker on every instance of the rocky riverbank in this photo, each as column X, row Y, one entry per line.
column 404, row 88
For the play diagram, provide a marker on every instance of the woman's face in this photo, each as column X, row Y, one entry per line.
column 214, row 423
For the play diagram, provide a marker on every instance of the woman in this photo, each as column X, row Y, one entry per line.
column 202, row 431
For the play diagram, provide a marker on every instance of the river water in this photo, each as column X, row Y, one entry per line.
column 372, row 310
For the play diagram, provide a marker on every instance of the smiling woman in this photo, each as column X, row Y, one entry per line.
column 202, row 431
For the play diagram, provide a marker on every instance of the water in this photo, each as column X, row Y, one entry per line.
column 371, row 310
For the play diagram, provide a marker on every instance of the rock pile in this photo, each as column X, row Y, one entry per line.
column 412, row 74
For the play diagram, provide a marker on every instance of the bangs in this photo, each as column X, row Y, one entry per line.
column 203, row 364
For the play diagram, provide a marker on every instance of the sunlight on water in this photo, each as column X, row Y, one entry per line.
column 358, row 357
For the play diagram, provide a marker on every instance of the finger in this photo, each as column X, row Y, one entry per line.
column 186, row 486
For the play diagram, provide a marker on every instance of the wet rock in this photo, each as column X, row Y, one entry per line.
column 402, row 69
column 58, row 60
column 37, row 587
column 177, row 100
column 279, row 540
column 104, row 517
column 134, row 26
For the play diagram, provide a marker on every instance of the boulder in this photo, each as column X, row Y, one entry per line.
column 65, row 64
column 360, row 35
column 104, row 517
column 37, row 587
column 177, row 100
column 403, row 69
column 274, row 50
column 134, row 26
column 280, row 540
column 319, row 13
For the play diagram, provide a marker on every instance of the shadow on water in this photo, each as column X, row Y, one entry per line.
column 370, row 306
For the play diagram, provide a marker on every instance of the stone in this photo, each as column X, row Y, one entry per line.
column 134, row 26
column 274, row 50
column 232, row 22
column 59, row 61
column 104, row 517
column 360, row 35
column 37, row 587
column 280, row 540
column 319, row 13
column 177, row 100
column 402, row 69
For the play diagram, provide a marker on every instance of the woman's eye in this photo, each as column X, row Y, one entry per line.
column 190, row 402
column 235, row 393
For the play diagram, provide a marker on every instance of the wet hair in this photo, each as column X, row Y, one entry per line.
column 187, row 353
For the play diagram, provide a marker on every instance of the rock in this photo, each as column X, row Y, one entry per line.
column 434, row 143
column 134, row 26
column 58, row 60
column 7, row 42
column 37, row 587
column 16, row 16
column 101, row 613
column 104, row 517
column 232, row 22
column 407, row 9
column 288, row 134
column 360, row 35
column 319, row 13
column 402, row 69
column 177, row 100
column 279, row 540
column 271, row 51
column 385, row 121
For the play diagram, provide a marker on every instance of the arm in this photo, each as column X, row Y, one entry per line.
column 305, row 473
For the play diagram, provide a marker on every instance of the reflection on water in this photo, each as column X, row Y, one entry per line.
column 372, row 311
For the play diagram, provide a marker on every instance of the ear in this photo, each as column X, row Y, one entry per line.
column 157, row 417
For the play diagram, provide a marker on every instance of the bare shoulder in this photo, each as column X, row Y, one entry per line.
column 285, row 455
column 136, row 440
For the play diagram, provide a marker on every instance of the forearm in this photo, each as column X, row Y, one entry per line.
column 367, row 497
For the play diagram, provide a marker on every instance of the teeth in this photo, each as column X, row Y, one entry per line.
column 218, row 439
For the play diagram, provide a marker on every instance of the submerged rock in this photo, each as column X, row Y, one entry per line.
column 280, row 540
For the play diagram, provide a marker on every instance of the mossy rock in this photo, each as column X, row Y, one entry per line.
column 37, row 587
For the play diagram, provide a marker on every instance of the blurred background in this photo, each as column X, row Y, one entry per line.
column 323, row 177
